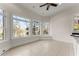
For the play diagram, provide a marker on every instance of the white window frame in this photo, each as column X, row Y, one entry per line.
column 32, row 27
column 3, row 37
column 13, row 37
column 42, row 28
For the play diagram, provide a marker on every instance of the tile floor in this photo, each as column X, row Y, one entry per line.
column 42, row 48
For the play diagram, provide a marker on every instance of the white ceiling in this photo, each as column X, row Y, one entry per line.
column 52, row 10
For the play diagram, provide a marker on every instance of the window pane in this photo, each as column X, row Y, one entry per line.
column 76, row 24
column 1, row 11
column 36, row 28
column 20, row 28
column 45, row 28
column 1, row 27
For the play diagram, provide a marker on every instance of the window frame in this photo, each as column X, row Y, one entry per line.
column 39, row 27
column 30, row 27
column 44, row 27
column 2, row 14
column 13, row 36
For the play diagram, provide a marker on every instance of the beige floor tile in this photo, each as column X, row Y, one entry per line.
column 42, row 48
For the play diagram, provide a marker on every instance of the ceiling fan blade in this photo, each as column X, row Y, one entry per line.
column 48, row 7
column 53, row 4
column 43, row 5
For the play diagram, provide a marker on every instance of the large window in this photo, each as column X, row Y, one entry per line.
column 36, row 28
column 20, row 26
column 1, row 24
column 45, row 28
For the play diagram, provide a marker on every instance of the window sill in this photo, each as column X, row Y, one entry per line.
column 14, row 38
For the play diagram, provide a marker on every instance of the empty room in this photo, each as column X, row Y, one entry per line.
column 39, row 29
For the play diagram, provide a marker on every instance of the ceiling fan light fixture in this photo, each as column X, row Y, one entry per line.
column 49, row 4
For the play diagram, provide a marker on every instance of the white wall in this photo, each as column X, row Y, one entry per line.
column 13, row 9
column 61, row 24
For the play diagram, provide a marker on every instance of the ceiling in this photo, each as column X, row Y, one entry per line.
column 35, row 7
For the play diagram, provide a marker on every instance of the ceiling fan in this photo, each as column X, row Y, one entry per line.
column 49, row 4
